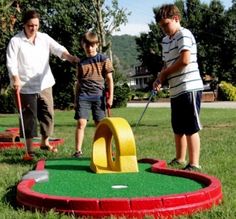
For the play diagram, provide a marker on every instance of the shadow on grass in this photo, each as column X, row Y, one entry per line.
column 72, row 125
column 15, row 156
column 133, row 125
column 10, row 197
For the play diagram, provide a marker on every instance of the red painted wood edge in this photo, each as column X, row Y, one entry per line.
column 162, row 206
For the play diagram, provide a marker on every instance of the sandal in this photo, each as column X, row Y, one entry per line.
column 48, row 148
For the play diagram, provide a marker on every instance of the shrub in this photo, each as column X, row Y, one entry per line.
column 140, row 95
column 121, row 95
column 7, row 102
column 64, row 100
column 226, row 91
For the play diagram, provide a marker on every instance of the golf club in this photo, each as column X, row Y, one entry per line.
column 153, row 93
column 26, row 156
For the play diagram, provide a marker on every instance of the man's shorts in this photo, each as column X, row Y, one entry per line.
column 185, row 110
column 84, row 106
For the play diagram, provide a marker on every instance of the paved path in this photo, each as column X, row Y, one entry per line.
column 215, row 104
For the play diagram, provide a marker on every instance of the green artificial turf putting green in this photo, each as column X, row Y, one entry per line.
column 73, row 177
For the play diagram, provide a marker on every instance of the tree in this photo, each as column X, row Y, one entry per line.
column 65, row 21
column 214, row 30
column 9, row 12
column 213, row 37
column 229, row 50
column 106, row 20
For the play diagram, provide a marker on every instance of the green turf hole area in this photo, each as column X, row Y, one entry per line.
column 73, row 177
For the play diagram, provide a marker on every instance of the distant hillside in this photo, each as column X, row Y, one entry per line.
column 124, row 48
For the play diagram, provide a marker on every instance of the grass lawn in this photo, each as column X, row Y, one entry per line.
column 154, row 139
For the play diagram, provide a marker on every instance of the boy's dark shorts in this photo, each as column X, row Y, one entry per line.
column 185, row 110
column 84, row 107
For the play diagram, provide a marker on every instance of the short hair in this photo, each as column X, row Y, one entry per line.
column 89, row 38
column 167, row 11
column 30, row 14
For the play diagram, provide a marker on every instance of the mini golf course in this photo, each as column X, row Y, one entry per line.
column 114, row 183
column 155, row 190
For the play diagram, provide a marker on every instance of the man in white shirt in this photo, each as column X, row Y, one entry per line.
column 28, row 55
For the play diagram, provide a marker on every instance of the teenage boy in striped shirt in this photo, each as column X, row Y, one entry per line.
column 179, row 52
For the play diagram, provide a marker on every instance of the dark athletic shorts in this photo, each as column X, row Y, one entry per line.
column 185, row 110
column 84, row 106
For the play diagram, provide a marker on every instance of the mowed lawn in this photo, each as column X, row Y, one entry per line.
column 154, row 139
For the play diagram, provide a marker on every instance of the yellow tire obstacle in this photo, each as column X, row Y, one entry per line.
column 107, row 160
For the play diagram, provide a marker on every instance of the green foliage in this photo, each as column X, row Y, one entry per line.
column 7, row 102
column 9, row 16
column 226, row 91
column 214, row 30
column 149, row 49
column 144, row 95
column 65, row 21
column 163, row 94
column 140, row 95
column 121, row 95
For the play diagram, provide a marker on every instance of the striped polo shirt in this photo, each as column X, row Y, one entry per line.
column 187, row 79
column 92, row 72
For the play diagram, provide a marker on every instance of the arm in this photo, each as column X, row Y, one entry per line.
column 67, row 56
column 16, row 82
column 60, row 51
column 180, row 63
column 12, row 63
column 110, row 85
column 76, row 88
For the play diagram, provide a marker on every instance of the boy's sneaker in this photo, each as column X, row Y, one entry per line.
column 190, row 167
column 176, row 163
column 77, row 154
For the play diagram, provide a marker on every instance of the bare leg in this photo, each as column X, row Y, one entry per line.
column 45, row 144
column 96, row 123
column 194, row 149
column 44, row 140
column 29, row 145
column 181, row 147
column 79, row 134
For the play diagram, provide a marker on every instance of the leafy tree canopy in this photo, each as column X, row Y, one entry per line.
column 214, row 30
column 65, row 21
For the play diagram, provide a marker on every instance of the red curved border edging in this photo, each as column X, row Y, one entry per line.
column 53, row 142
column 6, row 145
column 162, row 206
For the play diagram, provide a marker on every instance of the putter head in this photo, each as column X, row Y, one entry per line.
column 27, row 157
